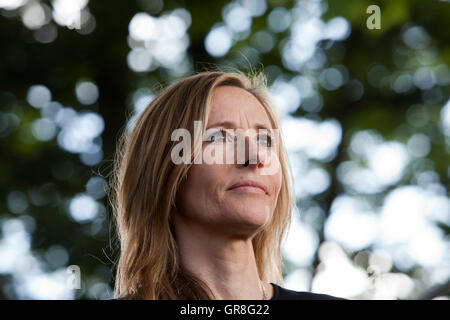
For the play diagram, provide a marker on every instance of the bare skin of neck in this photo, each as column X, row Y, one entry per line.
column 226, row 263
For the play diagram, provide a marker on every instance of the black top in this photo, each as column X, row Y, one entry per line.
column 280, row 293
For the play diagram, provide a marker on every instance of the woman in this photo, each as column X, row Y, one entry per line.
column 203, row 229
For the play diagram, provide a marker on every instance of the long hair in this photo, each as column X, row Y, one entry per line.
column 145, row 181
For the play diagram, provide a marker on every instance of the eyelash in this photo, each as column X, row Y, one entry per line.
column 223, row 132
column 212, row 135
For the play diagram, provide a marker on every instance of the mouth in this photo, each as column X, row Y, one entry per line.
column 248, row 186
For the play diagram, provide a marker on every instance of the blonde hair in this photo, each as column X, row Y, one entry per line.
column 145, row 181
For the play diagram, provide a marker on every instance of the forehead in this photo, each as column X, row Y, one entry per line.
column 237, row 105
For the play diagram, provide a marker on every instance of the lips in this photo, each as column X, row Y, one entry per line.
column 249, row 185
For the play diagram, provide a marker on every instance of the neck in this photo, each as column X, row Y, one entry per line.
column 225, row 263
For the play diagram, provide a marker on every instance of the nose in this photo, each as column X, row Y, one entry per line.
column 250, row 154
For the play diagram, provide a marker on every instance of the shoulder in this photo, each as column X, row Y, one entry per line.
column 281, row 293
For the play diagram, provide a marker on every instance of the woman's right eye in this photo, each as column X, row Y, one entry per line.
column 217, row 136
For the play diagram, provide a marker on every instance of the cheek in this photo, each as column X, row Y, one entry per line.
column 280, row 180
column 276, row 183
column 200, row 190
column 278, row 176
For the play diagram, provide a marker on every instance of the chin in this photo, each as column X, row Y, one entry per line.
column 254, row 218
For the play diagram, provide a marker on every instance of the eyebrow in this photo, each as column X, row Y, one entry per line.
column 229, row 124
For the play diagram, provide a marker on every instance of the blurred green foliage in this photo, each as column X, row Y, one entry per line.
column 51, row 177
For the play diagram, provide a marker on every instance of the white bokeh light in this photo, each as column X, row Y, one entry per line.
column 43, row 129
column 279, row 19
column 83, row 208
column 318, row 140
column 141, row 99
column 159, row 42
column 50, row 286
column 337, row 275
column 310, row 181
column 331, row 79
column 12, row 4
column 173, row 26
column 385, row 162
column 419, row 145
column 388, row 161
column 255, row 7
column 351, row 223
column 87, row 92
column 143, row 27
column 408, row 218
column 307, row 30
column 35, row 16
column 358, row 178
column 14, row 244
column 298, row 280
column 79, row 131
column 301, row 242
column 402, row 215
column 286, row 96
column 337, row 28
column 31, row 282
column 139, row 60
column 38, row 96
column 445, row 119
column 237, row 18
column 170, row 52
column 391, row 286
column 218, row 41
column 416, row 37
column 68, row 12
column 428, row 247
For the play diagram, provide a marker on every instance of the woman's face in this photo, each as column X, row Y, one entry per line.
column 205, row 197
